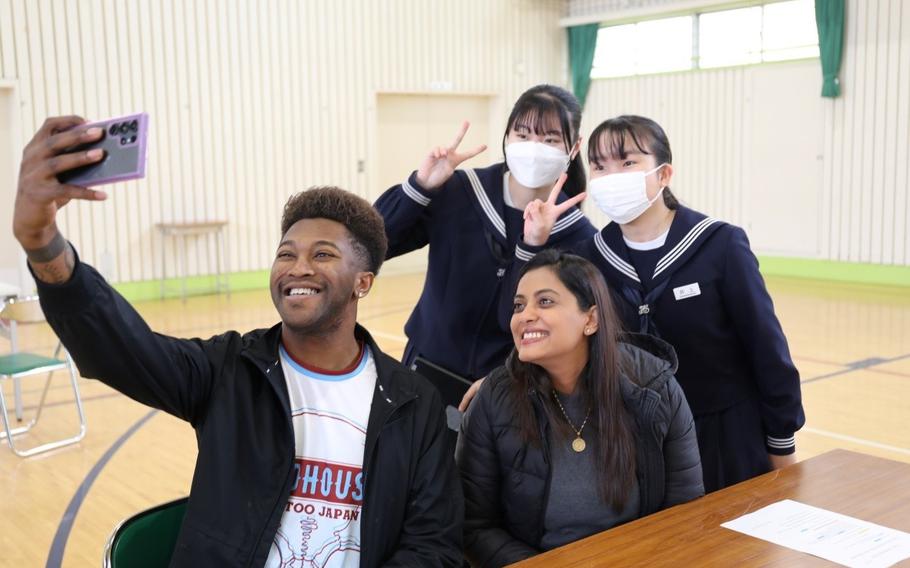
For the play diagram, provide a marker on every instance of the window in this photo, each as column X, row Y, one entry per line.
column 731, row 37
column 646, row 47
column 775, row 31
column 789, row 31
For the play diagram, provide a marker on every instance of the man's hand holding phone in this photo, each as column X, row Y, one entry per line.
column 124, row 144
column 64, row 145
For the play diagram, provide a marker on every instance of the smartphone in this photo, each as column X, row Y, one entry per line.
column 124, row 143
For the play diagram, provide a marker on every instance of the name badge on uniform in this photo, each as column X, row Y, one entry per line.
column 687, row 291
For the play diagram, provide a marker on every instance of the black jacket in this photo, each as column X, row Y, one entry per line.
column 506, row 481
column 232, row 390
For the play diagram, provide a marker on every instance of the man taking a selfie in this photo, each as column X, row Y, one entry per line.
column 314, row 446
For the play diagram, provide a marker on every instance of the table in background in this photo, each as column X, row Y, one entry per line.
column 180, row 232
column 868, row 488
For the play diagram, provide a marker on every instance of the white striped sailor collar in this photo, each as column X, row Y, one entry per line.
column 488, row 197
column 689, row 230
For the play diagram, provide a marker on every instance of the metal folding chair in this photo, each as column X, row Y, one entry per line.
column 19, row 364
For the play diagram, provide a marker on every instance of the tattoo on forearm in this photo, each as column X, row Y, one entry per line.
column 48, row 252
column 59, row 269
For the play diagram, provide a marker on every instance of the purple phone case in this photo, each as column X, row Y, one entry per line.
column 124, row 144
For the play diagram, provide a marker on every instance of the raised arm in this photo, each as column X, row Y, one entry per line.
column 39, row 195
column 106, row 337
column 405, row 208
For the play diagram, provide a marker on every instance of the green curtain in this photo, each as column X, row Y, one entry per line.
column 829, row 18
column 582, row 40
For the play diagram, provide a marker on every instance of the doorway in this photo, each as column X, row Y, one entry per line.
column 410, row 125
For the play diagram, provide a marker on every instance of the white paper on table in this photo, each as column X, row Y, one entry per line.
column 832, row 536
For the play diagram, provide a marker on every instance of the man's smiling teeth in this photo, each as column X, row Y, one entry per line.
column 303, row 292
column 533, row 335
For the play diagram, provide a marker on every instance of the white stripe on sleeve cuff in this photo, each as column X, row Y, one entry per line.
column 780, row 443
column 418, row 197
column 522, row 254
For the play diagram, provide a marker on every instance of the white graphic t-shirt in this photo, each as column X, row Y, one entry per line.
column 320, row 526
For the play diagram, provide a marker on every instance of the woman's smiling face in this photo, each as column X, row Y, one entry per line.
column 547, row 322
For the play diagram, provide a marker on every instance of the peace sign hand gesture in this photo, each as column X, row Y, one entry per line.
column 440, row 164
column 540, row 216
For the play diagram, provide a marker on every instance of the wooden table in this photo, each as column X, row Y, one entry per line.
column 179, row 232
column 865, row 487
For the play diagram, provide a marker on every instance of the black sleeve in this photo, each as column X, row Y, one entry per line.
column 406, row 211
column 109, row 341
column 487, row 542
column 752, row 312
column 432, row 532
column 682, row 463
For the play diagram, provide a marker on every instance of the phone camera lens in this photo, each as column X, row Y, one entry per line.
column 115, row 129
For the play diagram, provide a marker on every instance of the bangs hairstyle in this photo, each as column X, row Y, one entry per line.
column 541, row 113
column 543, row 105
column 599, row 382
column 354, row 212
column 616, row 137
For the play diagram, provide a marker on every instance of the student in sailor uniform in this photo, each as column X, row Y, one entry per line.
column 693, row 281
column 472, row 219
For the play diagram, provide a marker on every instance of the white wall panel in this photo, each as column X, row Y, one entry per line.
column 699, row 111
column 854, row 205
column 251, row 101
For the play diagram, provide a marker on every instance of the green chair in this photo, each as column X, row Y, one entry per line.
column 19, row 364
column 147, row 539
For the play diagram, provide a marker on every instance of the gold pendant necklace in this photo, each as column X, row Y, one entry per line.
column 578, row 444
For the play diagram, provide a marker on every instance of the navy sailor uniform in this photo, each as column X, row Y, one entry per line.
column 461, row 319
column 707, row 299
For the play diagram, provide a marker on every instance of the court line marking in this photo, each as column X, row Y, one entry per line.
column 58, row 545
column 891, row 373
column 865, row 364
column 856, row 440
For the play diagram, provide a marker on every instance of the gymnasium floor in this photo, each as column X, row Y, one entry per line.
column 851, row 344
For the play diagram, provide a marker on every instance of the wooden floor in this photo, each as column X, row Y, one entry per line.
column 851, row 344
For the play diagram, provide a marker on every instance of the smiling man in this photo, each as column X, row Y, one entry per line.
column 315, row 448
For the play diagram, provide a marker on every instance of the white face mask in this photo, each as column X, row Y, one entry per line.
column 535, row 164
column 623, row 197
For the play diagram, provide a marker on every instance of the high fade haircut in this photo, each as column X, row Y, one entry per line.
column 354, row 212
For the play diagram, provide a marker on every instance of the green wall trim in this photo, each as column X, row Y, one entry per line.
column 829, row 270
column 195, row 285
column 835, row 271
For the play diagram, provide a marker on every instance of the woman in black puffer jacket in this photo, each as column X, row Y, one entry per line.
column 582, row 430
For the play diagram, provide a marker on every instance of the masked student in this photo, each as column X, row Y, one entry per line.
column 693, row 281
column 472, row 220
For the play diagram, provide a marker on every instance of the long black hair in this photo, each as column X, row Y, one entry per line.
column 599, row 382
column 535, row 107
column 611, row 136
